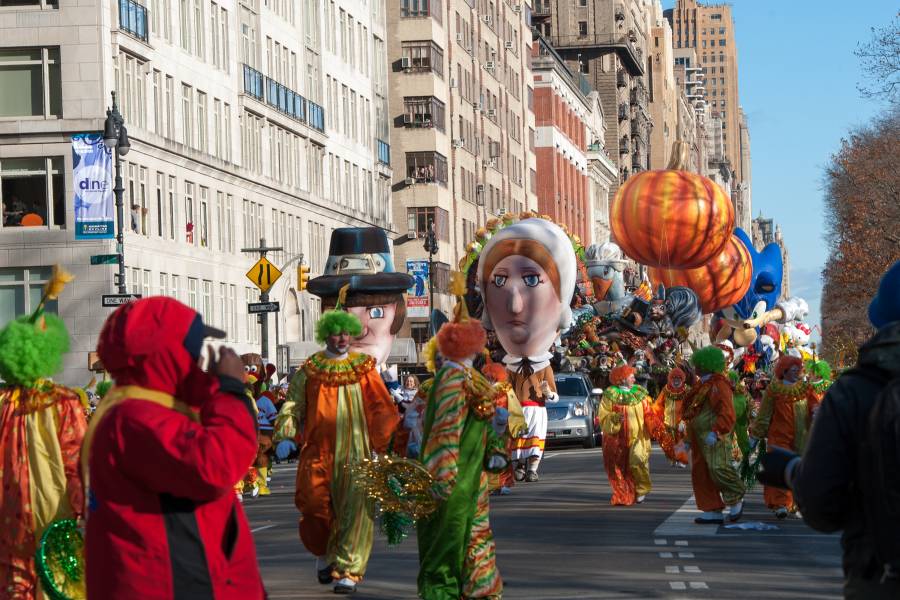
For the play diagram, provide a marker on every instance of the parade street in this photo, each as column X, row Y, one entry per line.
column 559, row 539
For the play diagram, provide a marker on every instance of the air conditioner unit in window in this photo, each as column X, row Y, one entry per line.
column 489, row 65
column 517, row 8
column 491, row 113
column 508, row 45
column 411, row 234
column 410, row 181
column 405, row 62
column 459, row 143
column 459, row 37
column 407, row 118
column 487, row 19
column 501, row 211
column 477, row 106
column 479, row 188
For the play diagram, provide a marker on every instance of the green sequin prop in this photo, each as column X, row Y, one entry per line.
column 60, row 561
column 752, row 464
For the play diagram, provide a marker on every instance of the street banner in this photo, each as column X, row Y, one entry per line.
column 92, row 179
column 417, row 294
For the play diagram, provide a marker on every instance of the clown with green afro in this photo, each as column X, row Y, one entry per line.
column 338, row 406
column 41, row 428
column 820, row 377
column 710, row 419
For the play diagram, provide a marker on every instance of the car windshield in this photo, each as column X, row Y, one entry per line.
column 571, row 386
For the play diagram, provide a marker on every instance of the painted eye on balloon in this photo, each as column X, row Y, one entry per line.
column 376, row 312
column 500, row 280
column 531, row 280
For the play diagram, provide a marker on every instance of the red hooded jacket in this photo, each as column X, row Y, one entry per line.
column 163, row 521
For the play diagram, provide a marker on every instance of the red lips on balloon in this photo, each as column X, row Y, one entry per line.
column 680, row 224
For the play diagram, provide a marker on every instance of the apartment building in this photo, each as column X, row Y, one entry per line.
column 765, row 231
column 692, row 107
column 248, row 120
column 461, row 105
column 573, row 170
column 664, row 90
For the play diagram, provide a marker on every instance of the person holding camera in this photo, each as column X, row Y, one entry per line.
column 849, row 477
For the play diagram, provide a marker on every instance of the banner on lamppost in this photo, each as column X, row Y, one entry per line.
column 92, row 181
column 417, row 295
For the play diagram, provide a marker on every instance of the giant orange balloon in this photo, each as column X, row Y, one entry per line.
column 721, row 282
column 672, row 218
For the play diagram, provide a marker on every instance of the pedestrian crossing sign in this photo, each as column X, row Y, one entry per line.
column 263, row 275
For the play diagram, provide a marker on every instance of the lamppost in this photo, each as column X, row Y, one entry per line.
column 431, row 247
column 115, row 136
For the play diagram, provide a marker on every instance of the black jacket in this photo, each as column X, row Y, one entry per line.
column 825, row 481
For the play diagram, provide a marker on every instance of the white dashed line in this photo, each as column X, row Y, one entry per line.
column 261, row 528
column 691, row 569
column 685, row 555
column 672, row 570
column 681, row 543
column 660, row 542
column 677, row 585
column 699, row 585
column 665, row 555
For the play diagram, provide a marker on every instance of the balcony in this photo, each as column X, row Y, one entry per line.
column 620, row 79
column 283, row 99
column 133, row 19
column 623, row 145
column 621, row 44
column 623, row 112
column 541, row 9
column 384, row 152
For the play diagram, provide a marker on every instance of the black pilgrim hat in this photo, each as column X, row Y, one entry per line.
column 361, row 257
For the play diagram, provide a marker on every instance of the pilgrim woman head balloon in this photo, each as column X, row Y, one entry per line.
column 526, row 274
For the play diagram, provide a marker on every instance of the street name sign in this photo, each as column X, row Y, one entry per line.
column 113, row 300
column 263, row 307
column 104, row 259
column 263, row 275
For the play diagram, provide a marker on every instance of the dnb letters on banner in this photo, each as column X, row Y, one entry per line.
column 417, row 295
column 92, row 179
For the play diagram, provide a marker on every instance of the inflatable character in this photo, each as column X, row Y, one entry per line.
column 605, row 267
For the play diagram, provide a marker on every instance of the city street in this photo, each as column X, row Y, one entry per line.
column 559, row 539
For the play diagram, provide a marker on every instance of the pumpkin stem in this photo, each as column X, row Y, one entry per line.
column 678, row 160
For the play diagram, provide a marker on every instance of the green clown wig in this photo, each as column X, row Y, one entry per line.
column 334, row 322
column 819, row 369
column 709, row 360
column 30, row 350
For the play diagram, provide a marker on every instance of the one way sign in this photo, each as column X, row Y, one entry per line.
column 114, row 300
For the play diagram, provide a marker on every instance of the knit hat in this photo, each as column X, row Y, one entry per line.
column 545, row 243
column 885, row 306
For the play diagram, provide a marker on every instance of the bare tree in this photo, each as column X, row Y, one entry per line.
column 880, row 58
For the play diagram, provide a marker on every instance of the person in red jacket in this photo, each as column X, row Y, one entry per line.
column 164, row 451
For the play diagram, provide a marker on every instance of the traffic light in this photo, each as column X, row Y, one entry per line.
column 302, row 277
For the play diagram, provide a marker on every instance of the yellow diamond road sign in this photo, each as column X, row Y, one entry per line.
column 263, row 275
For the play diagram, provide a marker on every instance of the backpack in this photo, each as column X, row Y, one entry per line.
column 879, row 472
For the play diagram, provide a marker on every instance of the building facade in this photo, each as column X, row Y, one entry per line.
column 692, row 107
column 237, row 135
column 664, row 90
column 764, row 232
column 569, row 138
column 463, row 135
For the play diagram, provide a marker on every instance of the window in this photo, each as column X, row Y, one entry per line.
column 420, row 218
column 582, row 3
column 202, row 142
column 420, row 333
column 193, row 301
column 185, row 13
column 21, row 290
column 207, row 307
column 424, row 111
column 157, row 102
column 204, row 217
column 582, row 28
column 722, row 42
column 187, row 109
column 31, row 84
column 32, row 191
column 426, row 167
column 424, row 56
column 130, row 82
column 199, row 48
column 189, row 212
column 170, row 107
column 420, row 8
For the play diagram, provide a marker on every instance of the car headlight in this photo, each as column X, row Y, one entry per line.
column 578, row 409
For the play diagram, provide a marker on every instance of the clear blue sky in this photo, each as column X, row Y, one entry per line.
column 797, row 83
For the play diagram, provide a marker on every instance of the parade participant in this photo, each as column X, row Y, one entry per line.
column 741, row 401
column 526, row 274
column 265, row 417
column 628, row 423
column 361, row 257
column 345, row 412
column 784, row 419
column 409, row 414
column 709, row 415
column 819, row 372
column 668, row 407
column 41, row 428
column 164, row 449
column 456, row 545
column 508, row 423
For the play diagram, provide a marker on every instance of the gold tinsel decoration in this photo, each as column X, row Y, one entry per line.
column 396, row 485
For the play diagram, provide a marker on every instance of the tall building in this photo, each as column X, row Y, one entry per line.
column 692, row 109
column 608, row 42
column 764, row 232
column 569, row 139
column 709, row 29
column 236, row 134
column 744, row 202
column 664, row 91
column 463, row 137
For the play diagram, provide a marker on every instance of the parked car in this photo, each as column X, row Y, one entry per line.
column 572, row 418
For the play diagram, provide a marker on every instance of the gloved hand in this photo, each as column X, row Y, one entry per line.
column 501, row 416
column 682, row 426
column 284, row 449
column 754, row 442
column 497, row 462
column 711, row 438
column 775, row 464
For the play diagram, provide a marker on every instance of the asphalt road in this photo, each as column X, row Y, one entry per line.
column 559, row 539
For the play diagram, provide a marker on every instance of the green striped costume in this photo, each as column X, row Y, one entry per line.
column 456, row 545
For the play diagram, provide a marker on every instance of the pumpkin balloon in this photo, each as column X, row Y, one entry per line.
column 672, row 218
column 721, row 282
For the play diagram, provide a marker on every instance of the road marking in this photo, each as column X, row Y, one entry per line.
column 677, row 585
column 570, row 453
column 660, row 542
column 681, row 523
column 685, row 555
column 665, row 555
column 261, row 528
column 672, row 570
column 681, row 542
column 699, row 585
column 691, row 569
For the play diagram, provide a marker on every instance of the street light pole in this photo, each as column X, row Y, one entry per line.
column 115, row 137
column 431, row 246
